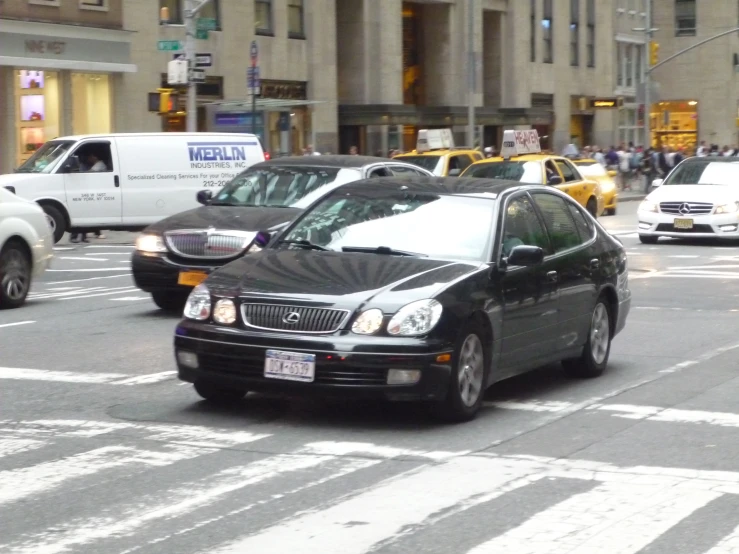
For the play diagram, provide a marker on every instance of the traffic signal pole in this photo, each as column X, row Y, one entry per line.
column 192, row 8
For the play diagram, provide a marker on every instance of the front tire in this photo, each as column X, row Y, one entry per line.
column 15, row 275
column 611, row 211
column 169, row 301
column 57, row 222
column 467, row 379
column 594, row 358
column 219, row 395
column 648, row 239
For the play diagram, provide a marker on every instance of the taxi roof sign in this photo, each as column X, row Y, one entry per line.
column 518, row 143
column 434, row 139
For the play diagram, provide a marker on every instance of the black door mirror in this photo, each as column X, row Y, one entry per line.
column 526, row 256
column 262, row 239
column 72, row 165
column 555, row 180
column 204, row 197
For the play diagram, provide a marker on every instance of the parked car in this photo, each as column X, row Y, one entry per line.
column 426, row 289
column 128, row 180
column 26, row 247
column 698, row 199
column 177, row 253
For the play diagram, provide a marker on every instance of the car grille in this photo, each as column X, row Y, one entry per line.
column 670, row 228
column 686, row 208
column 293, row 319
column 207, row 243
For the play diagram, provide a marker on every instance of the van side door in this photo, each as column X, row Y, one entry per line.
column 93, row 189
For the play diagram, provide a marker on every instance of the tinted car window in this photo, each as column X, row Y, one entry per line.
column 463, row 161
column 426, row 224
column 279, row 186
column 582, row 221
column 524, row 172
column 567, row 172
column 426, row 162
column 405, row 171
column 522, row 226
column 559, row 222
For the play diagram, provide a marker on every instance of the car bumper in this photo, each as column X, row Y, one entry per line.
column 345, row 365
column 610, row 199
column 157, row 272
column 704, row 226
column 43, row 254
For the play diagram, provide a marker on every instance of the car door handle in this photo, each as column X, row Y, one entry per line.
column 595, row 263
column 116, row 181
column 552, row 276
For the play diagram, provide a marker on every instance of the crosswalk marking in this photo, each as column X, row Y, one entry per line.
column 16, row 446
column 728, row 545
column 26, row 374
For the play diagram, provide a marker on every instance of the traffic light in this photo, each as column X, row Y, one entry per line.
column 653, row 53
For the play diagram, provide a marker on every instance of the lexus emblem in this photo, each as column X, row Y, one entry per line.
column 291, row 318
column 684, row 209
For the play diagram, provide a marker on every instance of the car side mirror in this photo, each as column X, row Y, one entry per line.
column 555, row 180
column 72, row 165
column 526, row 256
column 10, row 188
column 454, row 172
column 204, row 197
column 657, row 182
column 262, row 239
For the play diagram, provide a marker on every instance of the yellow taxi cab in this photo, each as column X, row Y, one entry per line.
column 435, row 151
column 521, row 160
column 592, row 169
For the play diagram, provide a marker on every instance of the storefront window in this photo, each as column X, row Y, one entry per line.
column 37, row 113
column 91, row 103
column 675, row 124
column 288, row 132
column 631, row 127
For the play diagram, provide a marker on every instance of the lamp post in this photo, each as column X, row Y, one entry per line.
column 648, row 30
column 470, row 74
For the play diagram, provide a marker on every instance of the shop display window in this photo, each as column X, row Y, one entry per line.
column 91, row 103
column 675, row 124
column 37, row 95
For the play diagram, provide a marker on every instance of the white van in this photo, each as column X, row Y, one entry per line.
column 146, row 176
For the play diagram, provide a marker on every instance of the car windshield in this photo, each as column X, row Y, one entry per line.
column 45, row 158
column 427, row 162
column 591, row 169
column 429, row 225
column 705, row 173
column 524, row 172
column 283, row 186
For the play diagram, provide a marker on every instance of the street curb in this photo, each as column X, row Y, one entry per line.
column 632, row 198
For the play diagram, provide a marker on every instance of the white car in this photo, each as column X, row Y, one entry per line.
column 26, row 247
column 699, row 198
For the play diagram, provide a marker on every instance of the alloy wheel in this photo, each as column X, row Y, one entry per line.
column 471, row 370
column 15, row 275
column 600, row 333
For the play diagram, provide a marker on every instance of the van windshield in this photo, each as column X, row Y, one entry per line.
column 282, row 186
column 45, row 158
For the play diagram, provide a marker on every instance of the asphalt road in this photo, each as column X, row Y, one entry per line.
column 102, row 450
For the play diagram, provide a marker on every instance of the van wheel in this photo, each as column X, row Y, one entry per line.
column 169, row 301
column 592, row 207
column 15, row 275
column 56, row 221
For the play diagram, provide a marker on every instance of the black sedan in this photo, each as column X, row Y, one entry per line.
column 177, row 253
column 426, row 289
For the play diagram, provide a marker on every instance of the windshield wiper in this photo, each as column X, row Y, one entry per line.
column 382, row 250
column 305, row 244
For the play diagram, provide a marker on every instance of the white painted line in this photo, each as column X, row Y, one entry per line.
column 129, row 289
column 684, row 256
column 672, row 415
column 110, row 246
column 8, row 447
column 15, row 324
column 90, row 279
column 62, row 288
column 385, row 510
column 84, row 259
column 531, row 406
column 20, row 483
column 22, row 374
column 618, row 518
column 108, row 254
column 78, row 290
column 369, row 450
column 86, row 270
column 129, row 299
column 147, row 379
column 62, row 248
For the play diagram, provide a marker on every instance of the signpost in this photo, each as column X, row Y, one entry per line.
column 253, row 82
column 197, row 75
column 169, row 45
column 202, row 59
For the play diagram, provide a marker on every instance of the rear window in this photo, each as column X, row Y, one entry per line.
column 524, row 172
column 426, row 162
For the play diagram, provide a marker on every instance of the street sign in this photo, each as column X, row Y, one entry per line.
column 169, row 45
column 197, row 75
column 177, row 72
column 253, row 81
column 254, row 52
column 206, row 24
column 201, row 34
column 204, row 59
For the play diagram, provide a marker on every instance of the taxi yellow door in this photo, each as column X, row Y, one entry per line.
column 571, row 181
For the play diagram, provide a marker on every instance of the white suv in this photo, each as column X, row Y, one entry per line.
column 26, row 247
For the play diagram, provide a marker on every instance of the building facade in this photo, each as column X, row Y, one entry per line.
column 697, row 92
column 59, row 62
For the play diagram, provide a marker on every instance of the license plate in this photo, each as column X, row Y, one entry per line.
column 683, row 223
column 191, row 278
column 290, row 366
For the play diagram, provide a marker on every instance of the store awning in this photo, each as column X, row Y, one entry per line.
column 267, row 104
column 72, row 65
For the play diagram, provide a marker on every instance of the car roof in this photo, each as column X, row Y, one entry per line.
column 335, row 160
column 449, row 186
column 440, row 152
column 717, row 159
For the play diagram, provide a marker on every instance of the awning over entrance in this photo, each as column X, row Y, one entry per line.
column 265, row 104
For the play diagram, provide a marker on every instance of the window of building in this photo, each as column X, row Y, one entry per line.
column 263, row 17
column 590, row 33
column 629, row 64
column 98, row 5
column 638, row 50
column 532, row 31
column 630, row 126
column 175, row 11
column 574, row 32
column 37, row 95
column 685, row 17
column 295, row 19
column 53, row 3
column 91, row 103
column 546, row 31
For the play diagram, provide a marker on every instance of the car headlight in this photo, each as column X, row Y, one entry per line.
column 150, row 243
column 197, row 306
column 416, row 318
column 728, row 208
column 224, row 311
column 368, row 322
column 648, row 206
